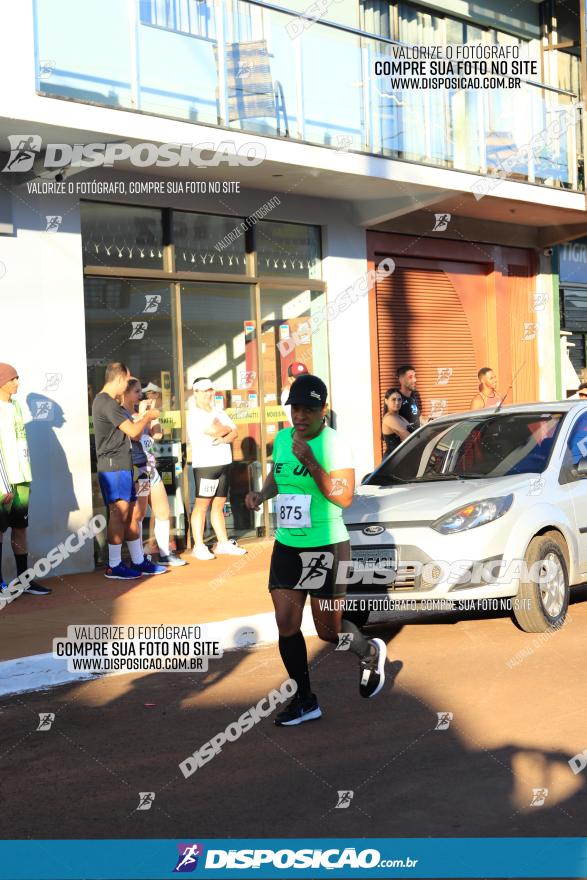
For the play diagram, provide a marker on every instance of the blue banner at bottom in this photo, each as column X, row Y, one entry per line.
column 300, row 857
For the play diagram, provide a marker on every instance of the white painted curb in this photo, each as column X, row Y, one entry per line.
column 41, row 671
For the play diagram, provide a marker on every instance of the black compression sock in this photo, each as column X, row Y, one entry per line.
column 359, row 645
column 295, row 659
column 21, row 562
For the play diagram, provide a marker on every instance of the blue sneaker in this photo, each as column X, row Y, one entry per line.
column 122, row 572
column 3, row 586
column 171, row 561
column 148, row 567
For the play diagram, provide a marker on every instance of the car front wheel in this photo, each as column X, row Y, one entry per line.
column 543, row 597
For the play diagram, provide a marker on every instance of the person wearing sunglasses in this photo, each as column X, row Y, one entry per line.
column 582, row 391
column 394, row 427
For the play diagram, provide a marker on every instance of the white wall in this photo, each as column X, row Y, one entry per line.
column 544, row 316
column 42, row 332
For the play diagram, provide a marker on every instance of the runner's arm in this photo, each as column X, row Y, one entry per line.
column 254, row 499
column 336, row 486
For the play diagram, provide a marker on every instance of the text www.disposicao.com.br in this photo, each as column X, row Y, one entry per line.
column 138, row 664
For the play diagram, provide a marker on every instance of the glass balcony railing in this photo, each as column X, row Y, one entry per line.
column 244, row 65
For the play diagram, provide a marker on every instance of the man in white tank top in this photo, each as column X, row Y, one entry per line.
column 487, row 397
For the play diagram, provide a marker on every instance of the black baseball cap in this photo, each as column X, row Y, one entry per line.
column 308, row 390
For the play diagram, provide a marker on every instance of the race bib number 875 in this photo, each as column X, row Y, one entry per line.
column 293, row 511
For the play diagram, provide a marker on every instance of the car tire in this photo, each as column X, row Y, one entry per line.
column 540, row 607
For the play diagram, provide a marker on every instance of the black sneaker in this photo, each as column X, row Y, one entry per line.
column 297, row 711
column 35, row 589
column 372, row 668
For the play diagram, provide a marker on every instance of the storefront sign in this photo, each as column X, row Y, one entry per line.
column 573, row 261
column 239, row 414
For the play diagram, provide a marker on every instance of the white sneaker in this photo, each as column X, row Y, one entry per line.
column 230, row 549
column 202, row 553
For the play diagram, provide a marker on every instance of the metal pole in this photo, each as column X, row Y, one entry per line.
column 221, row 54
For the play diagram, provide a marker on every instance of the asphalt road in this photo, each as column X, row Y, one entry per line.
column 517, row 719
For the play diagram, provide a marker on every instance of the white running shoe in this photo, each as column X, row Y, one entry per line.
column 202, row 553
column 372, row 668
column 230, row 549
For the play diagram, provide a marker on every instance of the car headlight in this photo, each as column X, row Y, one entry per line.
column 473, row 515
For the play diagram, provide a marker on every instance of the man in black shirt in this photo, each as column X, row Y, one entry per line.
column 113, row 431
column 411, row 408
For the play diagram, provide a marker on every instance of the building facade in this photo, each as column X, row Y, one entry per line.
column 266, row 245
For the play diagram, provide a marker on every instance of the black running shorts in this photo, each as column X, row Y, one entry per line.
column 311, row 569
column 212, row 482
column 16, row 514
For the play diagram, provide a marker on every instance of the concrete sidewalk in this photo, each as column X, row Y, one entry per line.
column 229, row 596
column 196, row 593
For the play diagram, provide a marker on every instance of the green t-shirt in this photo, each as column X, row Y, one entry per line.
column 292, row 478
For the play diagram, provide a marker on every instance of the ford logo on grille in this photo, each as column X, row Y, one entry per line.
column 373, row 530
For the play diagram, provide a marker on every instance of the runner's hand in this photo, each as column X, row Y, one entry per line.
column 303, row 451
column 8, row 499
column 253, row 501
column 153, row 415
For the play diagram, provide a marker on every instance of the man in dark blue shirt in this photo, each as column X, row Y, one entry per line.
column 411, row 407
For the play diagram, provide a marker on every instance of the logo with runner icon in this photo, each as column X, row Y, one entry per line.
column 315, row 568
column 187, row 860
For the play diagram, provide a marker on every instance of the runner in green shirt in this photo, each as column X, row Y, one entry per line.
column 313, row 480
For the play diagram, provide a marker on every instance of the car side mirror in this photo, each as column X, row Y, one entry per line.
column 580, row 469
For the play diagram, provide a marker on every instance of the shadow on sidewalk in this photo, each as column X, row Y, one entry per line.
column 114, row 738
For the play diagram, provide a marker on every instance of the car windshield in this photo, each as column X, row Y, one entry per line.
column 491, row 445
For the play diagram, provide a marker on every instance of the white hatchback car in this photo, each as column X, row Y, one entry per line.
column 483, row 505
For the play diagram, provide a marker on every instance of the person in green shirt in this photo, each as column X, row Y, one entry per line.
column 313, row 480
column 15, row 478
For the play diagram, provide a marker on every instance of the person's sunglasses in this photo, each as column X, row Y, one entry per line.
column 582, row 393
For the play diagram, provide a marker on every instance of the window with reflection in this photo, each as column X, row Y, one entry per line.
column 208, row 243
column 121, row 236
column 288, row 249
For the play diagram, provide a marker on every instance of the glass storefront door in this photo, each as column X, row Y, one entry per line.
column 220, row 343
column 250, row 373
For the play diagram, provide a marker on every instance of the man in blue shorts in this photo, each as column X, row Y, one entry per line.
column 113, row 431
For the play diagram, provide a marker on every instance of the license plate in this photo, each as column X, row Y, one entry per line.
column 365, row 558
